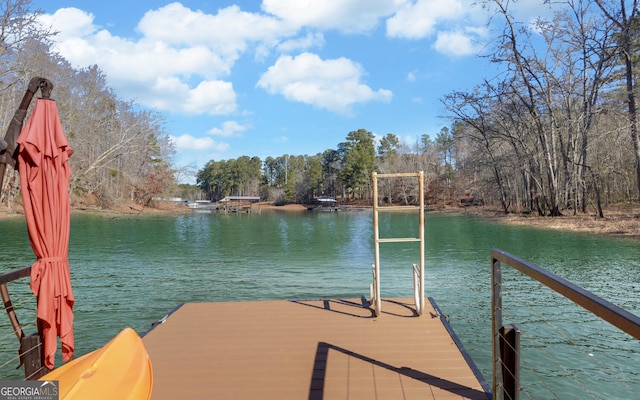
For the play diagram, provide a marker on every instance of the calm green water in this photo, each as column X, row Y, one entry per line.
column 131, row 271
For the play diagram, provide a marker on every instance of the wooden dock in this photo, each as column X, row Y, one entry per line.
column 308, row 349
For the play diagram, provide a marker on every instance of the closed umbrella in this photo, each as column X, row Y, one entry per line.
column 43, row 163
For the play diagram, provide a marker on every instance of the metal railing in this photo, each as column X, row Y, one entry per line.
column 30, row 346
column 506, row 339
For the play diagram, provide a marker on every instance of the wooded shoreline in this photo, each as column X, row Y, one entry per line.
column 620, row 220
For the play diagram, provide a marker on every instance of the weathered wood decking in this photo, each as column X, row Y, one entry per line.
column 316, row 349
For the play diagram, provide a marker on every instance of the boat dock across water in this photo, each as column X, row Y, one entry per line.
column 309, row 349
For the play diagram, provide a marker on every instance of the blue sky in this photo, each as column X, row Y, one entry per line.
column 281, row 76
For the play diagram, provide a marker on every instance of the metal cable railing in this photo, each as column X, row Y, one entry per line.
column 506, row 353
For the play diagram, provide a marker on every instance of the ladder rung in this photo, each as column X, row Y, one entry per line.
column 398, row 240
column 398, row 175
column 392, row 208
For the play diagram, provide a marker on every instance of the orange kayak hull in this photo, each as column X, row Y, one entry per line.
column 121, row 369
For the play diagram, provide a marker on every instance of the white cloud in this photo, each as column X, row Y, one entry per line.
column 162, row 68
column 70, row 23
column 351, row 16
column 208, row 97
column 334, row 84
column 455, row 43
column 302, row 43
column 211, row 97
column 196, row 152
column 203, row 144
column 229, row 129
column 227, row 32
column 418, row 20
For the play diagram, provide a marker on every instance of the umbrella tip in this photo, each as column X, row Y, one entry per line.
column 46, row 87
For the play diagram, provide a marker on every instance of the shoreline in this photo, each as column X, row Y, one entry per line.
column 621, row 220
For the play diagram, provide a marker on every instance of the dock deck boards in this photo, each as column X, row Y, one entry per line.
column 307, row 349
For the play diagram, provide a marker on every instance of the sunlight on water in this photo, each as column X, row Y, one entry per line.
column 131, row 271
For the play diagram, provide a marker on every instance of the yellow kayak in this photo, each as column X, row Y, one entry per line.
column 121, row 369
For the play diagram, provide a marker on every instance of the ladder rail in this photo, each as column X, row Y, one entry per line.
column 376, row 301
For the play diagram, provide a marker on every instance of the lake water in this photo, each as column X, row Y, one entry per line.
column 131, row 271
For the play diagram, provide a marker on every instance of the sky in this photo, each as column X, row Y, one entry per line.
column 278, row 77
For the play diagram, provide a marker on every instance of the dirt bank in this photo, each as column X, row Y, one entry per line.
column 619, row 220
column 286, row 207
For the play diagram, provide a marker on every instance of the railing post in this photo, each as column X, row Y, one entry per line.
column 31, row 355
column 496, row 325
column 510, row 356
column 505, row 349
column 421, row 236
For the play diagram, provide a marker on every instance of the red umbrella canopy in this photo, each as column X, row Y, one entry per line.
column 43, row 164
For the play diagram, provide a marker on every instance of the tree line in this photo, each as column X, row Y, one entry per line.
column 121, row 152
column 344, row 173
column 558, row 129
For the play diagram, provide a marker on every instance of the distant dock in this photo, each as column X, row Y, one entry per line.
column 309, row 349
column 229, row 204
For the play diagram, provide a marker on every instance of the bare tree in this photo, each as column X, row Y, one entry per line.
column 18, row 27
column 534, row 93
column 624, row 16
